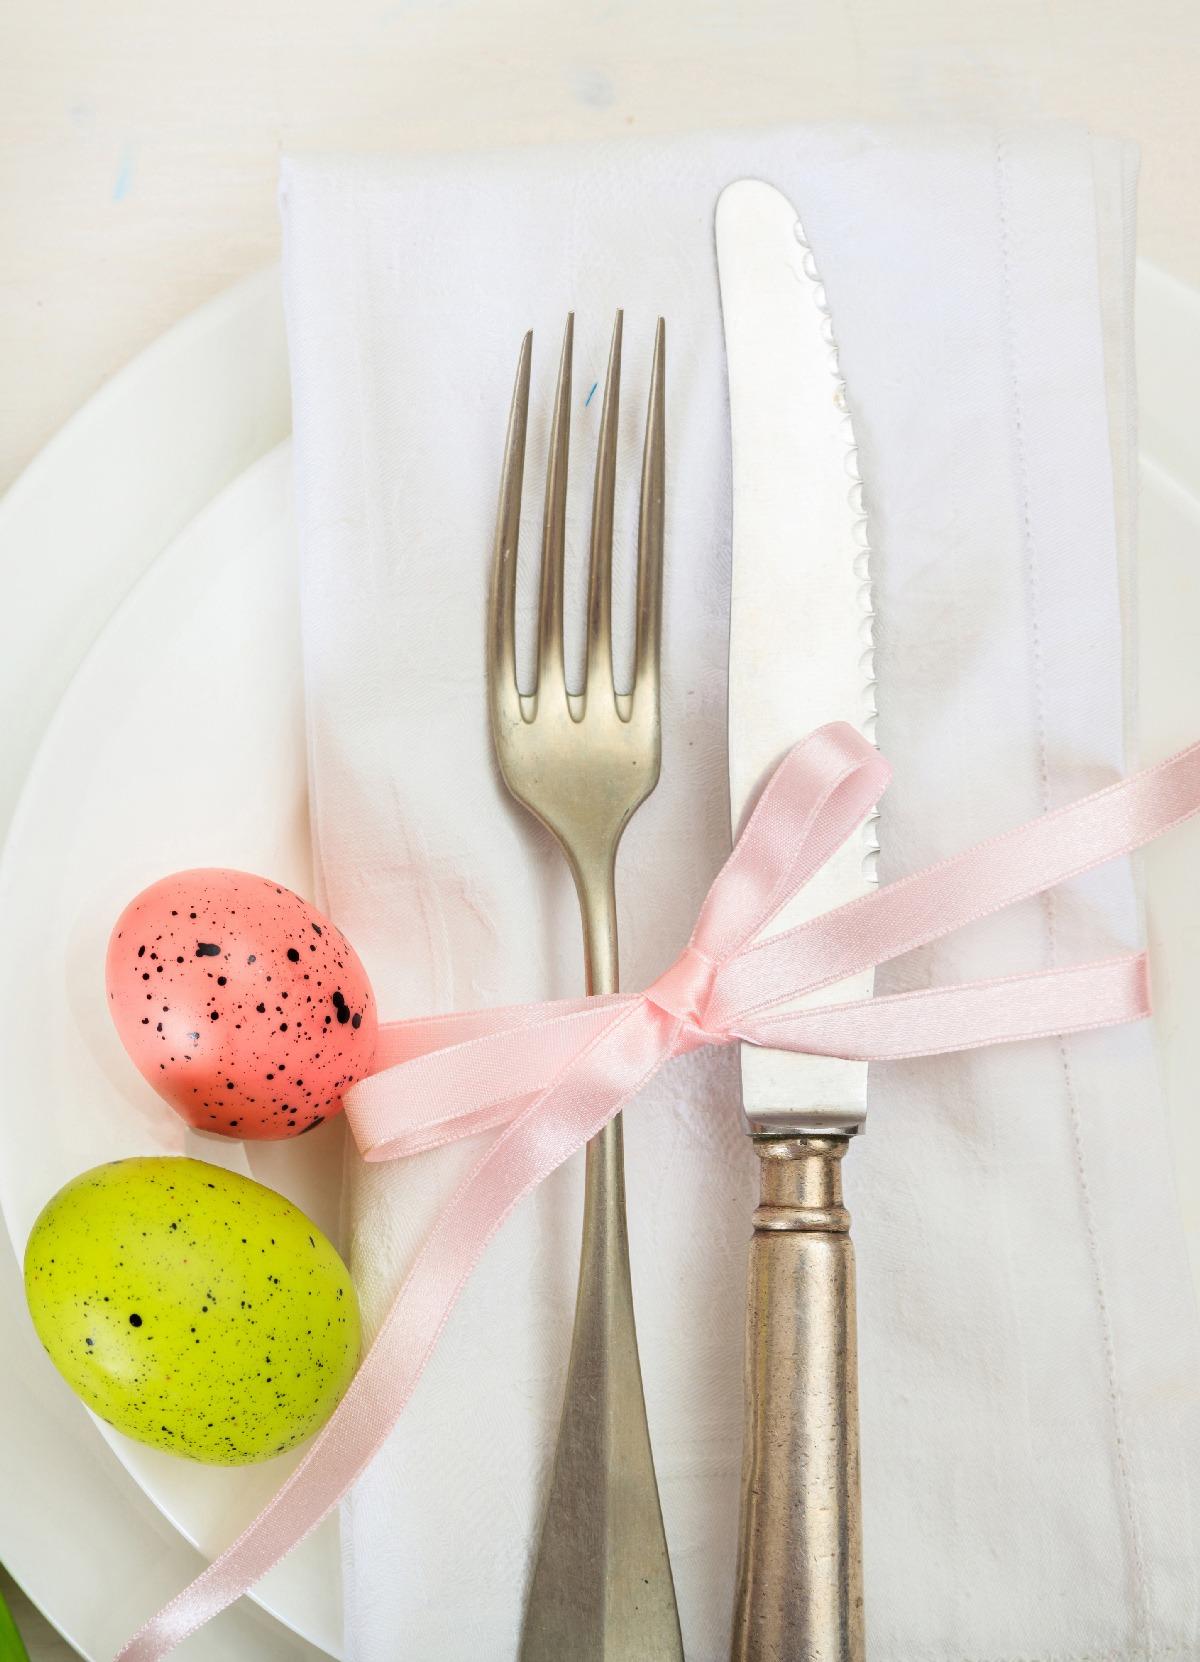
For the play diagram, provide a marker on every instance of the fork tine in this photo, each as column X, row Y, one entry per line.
column 599, row 649
column 650, row 530
column 502, row 651
column 550, row 671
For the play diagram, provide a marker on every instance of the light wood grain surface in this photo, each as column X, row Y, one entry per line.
column 139, row 139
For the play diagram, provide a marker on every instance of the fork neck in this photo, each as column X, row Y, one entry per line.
column 598, row 904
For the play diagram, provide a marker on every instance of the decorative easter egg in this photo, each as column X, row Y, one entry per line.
column 243, row 1006
column 192, row 1308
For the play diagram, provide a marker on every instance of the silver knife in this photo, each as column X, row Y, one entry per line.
column 800, row 655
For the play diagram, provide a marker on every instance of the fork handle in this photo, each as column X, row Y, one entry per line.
column 799, row 1578
column 602, row 1589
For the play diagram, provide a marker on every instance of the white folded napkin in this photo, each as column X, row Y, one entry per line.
column 1031, row 1446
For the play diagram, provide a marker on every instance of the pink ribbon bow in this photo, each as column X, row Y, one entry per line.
column 549, row 1076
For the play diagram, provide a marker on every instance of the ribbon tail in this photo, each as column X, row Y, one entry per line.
column 404, row 1041
column 936, row 1020
column 494, row 1065
column 594, row 1086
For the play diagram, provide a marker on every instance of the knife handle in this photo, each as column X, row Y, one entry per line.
column 799, row 1578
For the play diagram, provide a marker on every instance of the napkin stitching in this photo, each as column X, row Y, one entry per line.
column 1029, row 542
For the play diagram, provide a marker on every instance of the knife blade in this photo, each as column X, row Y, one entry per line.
column 801, row 644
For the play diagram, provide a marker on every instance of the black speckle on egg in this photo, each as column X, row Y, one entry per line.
column 207, row 949
column 293, row 955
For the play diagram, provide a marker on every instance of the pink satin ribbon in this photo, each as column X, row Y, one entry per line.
column 547, row 1077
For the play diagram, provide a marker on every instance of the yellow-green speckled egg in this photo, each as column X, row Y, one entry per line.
column 192, row 1308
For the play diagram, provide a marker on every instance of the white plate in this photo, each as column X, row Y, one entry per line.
column 180, row 742
column 92, row 512
column 1168, row 628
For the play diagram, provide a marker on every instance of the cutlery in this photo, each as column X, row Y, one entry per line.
column 800, row 655
column 582, row 764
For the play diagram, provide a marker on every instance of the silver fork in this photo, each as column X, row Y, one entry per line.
column 582, row 763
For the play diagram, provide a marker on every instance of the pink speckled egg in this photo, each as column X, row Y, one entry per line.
column 243, row 1006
